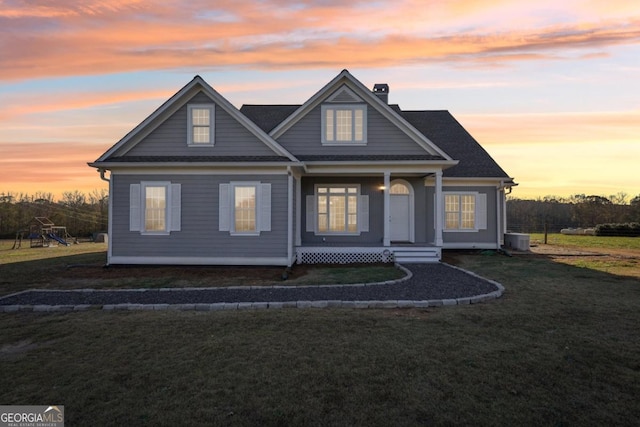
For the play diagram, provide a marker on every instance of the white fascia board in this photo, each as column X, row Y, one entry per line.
column 466, row 182
column 146, row 126
column 360, row 90
column 204, row 170
column 176, row 102
column 368, row 168
column 307, row 106
column 248, row 124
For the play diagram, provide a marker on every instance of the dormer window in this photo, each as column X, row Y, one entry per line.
column 201, row 125
column 344, row 124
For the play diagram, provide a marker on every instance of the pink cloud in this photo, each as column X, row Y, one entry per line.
column 129, row 36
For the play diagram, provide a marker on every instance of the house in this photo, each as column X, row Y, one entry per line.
column 343, row 177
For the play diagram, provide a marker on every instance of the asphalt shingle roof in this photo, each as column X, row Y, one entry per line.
column 448, row 134
column 439, row 126
column 267, row 117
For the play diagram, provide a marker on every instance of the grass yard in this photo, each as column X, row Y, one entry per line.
column 561, row 348
column 81, row 266
column 598, row 242
column 614, row 255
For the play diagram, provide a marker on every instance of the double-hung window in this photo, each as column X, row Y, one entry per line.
column 244, row 207
column 245, row 213
column 337, row 209
column 465, row 211
column 201, row 130
column 344, row 124
column 154, row 207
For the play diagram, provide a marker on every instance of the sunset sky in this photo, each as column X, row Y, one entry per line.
column 550, row 88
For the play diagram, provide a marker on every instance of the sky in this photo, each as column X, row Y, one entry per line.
column 551, row 89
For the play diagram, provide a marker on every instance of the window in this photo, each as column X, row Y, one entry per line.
column 399, row 189
column 154, row 207
column 244, row 208
column 459, row 211
column 344, row 124
column 201, row 124
column 465, row 211
column 337, row 209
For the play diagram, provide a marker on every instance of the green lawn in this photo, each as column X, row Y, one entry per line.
column 588, row 241
column 81, row 266
column 560, row 348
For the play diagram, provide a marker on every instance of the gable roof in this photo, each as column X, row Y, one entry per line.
column 359, row 90
column 178, row 100
column 442, row 128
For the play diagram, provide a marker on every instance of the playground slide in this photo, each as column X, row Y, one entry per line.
column 58, row 239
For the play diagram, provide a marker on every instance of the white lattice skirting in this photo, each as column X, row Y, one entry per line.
column 342, row 255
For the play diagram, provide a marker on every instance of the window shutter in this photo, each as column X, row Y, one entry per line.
column 176, row 217
column 224, row 208
column 363, row 213
column 481, row 211
column 265, row 207
column 311, row 213
column 135, row 210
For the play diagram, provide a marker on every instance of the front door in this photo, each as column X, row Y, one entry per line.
column 400, row 212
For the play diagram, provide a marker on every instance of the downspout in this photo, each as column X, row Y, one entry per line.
column 501, row 209
column 289, row 216
column 109, row 218
column 102, row 172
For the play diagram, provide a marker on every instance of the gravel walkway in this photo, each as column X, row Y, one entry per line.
column 426, row 285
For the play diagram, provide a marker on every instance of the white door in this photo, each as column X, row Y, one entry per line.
column 399, row 209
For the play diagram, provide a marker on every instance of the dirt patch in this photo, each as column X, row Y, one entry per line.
column 213, row 276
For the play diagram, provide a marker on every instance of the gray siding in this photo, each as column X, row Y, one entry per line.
column 199, row 235
column 170, row 138
column 371, row 187
column 464, row 238
column 304, row 138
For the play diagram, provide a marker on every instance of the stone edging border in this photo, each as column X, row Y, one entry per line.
column 262, row 305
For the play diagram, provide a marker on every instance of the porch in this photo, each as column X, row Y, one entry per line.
column 343, row 253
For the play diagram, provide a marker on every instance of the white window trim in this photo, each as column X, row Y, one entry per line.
column 475, row 228
column 212, row 128
column 226, row 207
column 352, row 107
column 167, row 208
column 358, row 208
column 232, row 207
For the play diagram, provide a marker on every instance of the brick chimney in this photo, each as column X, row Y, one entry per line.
column 381, row 90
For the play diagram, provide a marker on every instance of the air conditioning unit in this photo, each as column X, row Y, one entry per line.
column 516, row 241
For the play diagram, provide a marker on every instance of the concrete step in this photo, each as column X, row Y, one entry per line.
column 417, row 255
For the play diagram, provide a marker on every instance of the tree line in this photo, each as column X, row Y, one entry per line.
column 84, row 214
column 577, row 211
column 87, row 214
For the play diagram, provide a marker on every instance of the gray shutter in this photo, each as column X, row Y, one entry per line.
column 481, row 211
column 265, row 207
column 224, row 208
column 363, row 213
column 135, row 210
column 311, row 213
column 176, row 216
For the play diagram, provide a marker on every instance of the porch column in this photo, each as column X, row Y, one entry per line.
column 439, row 209
column 386, row 240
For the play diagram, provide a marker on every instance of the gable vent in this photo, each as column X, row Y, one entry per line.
column 381, row 90
column 344, row 94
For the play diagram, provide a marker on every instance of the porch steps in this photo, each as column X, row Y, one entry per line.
column 419, row 255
